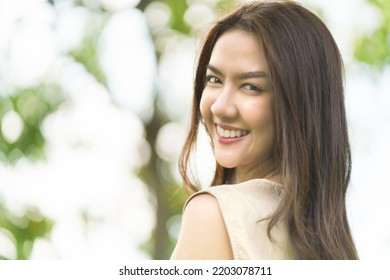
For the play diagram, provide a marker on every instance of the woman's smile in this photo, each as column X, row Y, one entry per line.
column 225, row 131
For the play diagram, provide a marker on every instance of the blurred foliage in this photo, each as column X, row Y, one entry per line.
column 374, row 48
column 178, row 9
column 157, row 173
column 25, row 229
column 87, row 52
column 168, row 195
column 32, row 105
column 224, row 6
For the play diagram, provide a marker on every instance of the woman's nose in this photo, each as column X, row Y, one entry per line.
column 224, row 105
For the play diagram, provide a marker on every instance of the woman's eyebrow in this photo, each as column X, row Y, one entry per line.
column 248, row 75
column 214, row 69
column 241, row 76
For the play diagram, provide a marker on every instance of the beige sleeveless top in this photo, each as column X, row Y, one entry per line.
column 243, row 206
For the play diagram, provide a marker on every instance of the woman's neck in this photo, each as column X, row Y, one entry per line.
column 263, row 170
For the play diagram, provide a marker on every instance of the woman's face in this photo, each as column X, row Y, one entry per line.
column 236, row 106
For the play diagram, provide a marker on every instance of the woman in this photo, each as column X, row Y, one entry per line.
column 269, row 91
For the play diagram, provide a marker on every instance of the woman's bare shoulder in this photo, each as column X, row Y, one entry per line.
column 203, row 233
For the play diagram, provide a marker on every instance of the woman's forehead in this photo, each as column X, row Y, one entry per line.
column 239, row 50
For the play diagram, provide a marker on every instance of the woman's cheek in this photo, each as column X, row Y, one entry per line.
column 205, row 105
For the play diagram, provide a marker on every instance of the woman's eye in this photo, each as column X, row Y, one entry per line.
column 213, row 80
column 252, row 88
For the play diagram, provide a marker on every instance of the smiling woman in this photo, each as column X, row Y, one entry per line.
column 269, row 91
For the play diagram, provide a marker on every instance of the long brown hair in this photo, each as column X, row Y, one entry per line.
column 311, row 147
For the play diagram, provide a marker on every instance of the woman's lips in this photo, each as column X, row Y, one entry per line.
column 228, row 134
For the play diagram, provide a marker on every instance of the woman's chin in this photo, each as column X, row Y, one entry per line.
column 226, row 164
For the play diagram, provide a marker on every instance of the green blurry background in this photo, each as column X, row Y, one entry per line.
column 77, row 209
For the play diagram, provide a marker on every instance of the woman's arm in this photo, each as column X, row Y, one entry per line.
column 203, row 234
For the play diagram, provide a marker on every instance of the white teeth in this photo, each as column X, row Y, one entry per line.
column 231, row 133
